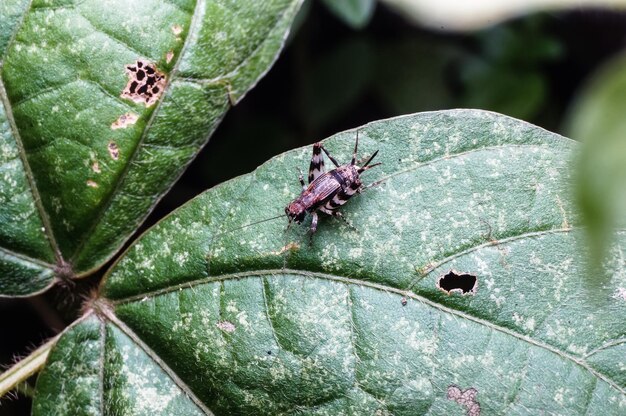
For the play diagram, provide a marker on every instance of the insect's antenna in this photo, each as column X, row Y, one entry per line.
column 332, row 159
column 259, row 222
column 356, row 146
column 365, row 167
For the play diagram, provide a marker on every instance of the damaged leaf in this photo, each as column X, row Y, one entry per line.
column 134, row 88
column 211, row 311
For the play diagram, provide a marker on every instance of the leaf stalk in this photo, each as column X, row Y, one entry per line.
column 26, row 367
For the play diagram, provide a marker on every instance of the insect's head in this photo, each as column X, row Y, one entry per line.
column 295, row 212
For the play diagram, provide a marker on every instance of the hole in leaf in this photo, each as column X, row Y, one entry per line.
column 145, row 83
column 466, row 398
column 455, row 282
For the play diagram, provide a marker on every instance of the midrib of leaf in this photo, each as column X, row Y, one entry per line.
column 383, row 288
column 23, row 257
column 193, row 27
column 31, row 180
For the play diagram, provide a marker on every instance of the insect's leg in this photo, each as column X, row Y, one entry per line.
column 300, row 178
column 313, row 228
column 371, row 185
column 314, row 222
column 332, row 159
column 339, row 215
column 316, row 168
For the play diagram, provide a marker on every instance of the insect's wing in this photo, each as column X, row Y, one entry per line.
column 317, row 163
column 320, row 191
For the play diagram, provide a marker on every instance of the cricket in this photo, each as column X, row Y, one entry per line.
column 328, row 191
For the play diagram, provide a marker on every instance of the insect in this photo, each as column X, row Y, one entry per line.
column 327, row 191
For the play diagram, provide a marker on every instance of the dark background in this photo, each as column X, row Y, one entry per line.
column 330, row 78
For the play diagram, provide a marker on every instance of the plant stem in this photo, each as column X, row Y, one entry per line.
column 25, row 368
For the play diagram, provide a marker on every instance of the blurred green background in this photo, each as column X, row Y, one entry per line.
column 349, row 63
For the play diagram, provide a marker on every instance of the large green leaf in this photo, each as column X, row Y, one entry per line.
column 82, row 163
column 597, row 120
column 214, row 310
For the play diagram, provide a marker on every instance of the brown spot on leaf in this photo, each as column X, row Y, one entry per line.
column 466, row 398
column 403, row 301
column 114, row 151
column 95, row 166
column 145, row 83
column 124, row 121
column 92, row 184
column 169, row 56
column 226, row 326
column 289, row 247
column 456, row 282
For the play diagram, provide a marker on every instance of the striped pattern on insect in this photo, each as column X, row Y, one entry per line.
column 327, row 191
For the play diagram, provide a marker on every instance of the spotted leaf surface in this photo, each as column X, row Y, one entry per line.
column 103, row 104
column 245, row 316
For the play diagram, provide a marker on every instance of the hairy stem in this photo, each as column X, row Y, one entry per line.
column 25, row 368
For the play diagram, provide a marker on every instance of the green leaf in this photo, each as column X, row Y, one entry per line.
column 245, row 317
column 82, row 162
column 597, row 119
column 354, row 13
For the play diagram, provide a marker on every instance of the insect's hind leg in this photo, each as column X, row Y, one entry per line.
column 316, row 168
column 301, row 179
